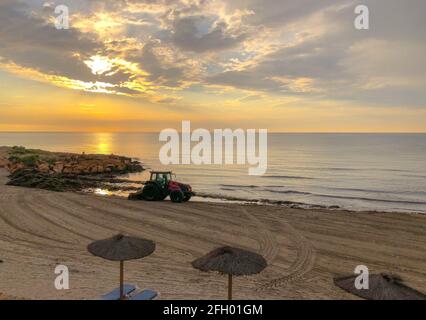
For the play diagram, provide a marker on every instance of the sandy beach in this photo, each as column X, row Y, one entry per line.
column 305, row 249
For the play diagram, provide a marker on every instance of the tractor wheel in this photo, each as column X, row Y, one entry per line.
column 187, row 197
column 176, row 196
column 151, row 193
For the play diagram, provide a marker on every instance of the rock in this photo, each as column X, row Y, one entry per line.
column 14, row 167
column 67, row 170
column 43, row 168
column 121, row 166
column 3, row 163
column 58, row 167
column 135, row 166
column 82, row 164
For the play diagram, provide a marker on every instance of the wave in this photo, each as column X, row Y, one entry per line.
column 358, row 190
column 349, row 197
column 378, row 191
column 287, row 191
column 238, row 186
column 270, row 190
column 287, row 177
column 290, row 204
column 414, row 176
column 349, row 169
column 296, row 192
column 370, row 199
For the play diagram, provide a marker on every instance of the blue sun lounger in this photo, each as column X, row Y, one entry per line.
column 144, row 295
column 115, row 294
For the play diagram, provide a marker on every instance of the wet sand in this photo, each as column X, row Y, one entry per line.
column 305, row 249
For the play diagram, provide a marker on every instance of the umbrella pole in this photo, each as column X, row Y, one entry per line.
column 121, row 280
column 229, row 286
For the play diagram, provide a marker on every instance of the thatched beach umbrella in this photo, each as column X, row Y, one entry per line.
column 121, row 248
column 231, row 261
column 381, row 287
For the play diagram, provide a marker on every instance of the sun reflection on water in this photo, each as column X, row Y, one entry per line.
column 103, row 143
column 103, row 192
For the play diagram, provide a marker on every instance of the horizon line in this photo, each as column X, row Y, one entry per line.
column 273, row 132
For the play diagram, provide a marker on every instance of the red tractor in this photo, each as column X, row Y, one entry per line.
column 161, row 185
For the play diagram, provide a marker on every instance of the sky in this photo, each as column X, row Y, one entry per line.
column 147, row 65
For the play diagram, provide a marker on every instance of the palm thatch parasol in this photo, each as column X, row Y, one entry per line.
column 381, row 287
column 231, row 261
column 121, row 248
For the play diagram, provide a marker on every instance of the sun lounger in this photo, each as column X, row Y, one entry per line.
column 145, row 295
column 115, row 294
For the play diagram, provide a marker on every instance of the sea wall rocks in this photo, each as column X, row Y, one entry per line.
column 65, row 171
column 73, row 164
column 3, row 163
column 88, row 164
column 59, row 182
column 4, row 152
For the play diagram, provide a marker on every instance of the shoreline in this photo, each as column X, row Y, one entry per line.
column 219, row 199
column 305, row 248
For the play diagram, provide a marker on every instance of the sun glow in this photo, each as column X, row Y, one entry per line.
column 103, row 143
column 106, row 25
column 99, row 65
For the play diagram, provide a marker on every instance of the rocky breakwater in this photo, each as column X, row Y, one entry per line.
column 4, row 152
column 65, row 171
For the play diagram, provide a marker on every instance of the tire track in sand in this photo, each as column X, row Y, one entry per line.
column 16, row 221
column 305, row 252
column 267, row 243
column 32, row 203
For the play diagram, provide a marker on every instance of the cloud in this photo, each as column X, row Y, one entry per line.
column 30, row 42
column 197, row 34
column 154, row 49
column 383, row 65
column 281, row 12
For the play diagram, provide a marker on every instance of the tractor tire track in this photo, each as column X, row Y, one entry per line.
column 25, row 203
column 304, row 262
column 268, row 246
column 8, row 220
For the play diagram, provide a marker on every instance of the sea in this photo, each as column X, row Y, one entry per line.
column 359, row 171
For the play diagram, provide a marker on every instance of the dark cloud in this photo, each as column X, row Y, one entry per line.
column 192, row 33
column 167, row 75
column 30, row 42
column 379, row 65
column 281, row 12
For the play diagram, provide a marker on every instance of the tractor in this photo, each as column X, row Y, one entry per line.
column 160, row 186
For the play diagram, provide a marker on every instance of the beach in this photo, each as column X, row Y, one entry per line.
column 279, row 143
column 304, row 248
